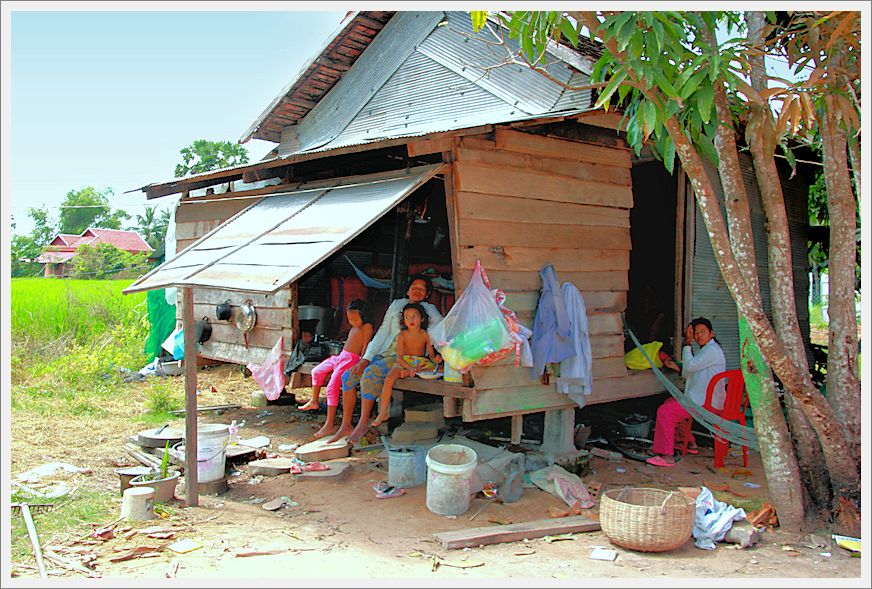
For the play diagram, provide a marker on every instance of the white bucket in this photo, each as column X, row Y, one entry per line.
column 449, row 470
column 212, row 441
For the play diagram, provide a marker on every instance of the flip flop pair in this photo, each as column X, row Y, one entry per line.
column 386, row 491
column 658, row 461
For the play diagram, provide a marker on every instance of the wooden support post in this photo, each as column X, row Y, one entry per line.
column 689, row 245
column 517, row 429
column 192, row 491
column 678, row 309
column 450, row 407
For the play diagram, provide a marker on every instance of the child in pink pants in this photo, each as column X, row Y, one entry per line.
column 358, row 338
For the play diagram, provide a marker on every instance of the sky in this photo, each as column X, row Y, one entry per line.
column 108, row 99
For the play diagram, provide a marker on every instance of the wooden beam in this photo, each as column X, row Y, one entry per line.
column 451, row 212
column 517, row 428
column 512, row 532
column 192, row 491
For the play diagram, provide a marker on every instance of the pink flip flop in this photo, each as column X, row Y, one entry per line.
column 658, row 461
column 386, row 491
column 693, row 451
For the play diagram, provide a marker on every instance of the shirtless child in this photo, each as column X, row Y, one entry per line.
column 358, row 338
column 415, row 353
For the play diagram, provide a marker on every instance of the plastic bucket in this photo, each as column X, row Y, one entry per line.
column 212, row 441
column 407, row 467
column 449, row 470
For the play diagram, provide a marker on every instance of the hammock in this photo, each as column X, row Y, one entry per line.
column 368, row 281
column 735, row 433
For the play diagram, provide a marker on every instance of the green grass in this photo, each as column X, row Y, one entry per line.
column 70, row 515
column 815, row 316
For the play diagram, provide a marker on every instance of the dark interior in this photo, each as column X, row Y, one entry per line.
column 650, row 302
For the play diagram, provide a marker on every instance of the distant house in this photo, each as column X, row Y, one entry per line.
column 65, row 247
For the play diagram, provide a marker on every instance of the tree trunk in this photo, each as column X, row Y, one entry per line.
column 841, row 463
column 843, row 383
column 776, row 450
column 761, row 140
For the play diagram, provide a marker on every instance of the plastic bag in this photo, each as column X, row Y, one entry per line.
column 270, row 375
column 474, row 327
column 635, row 360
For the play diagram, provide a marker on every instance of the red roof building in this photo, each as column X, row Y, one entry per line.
column 65, row 246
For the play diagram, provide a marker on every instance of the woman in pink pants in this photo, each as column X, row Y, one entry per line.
column 358, row 338
column 698, row 369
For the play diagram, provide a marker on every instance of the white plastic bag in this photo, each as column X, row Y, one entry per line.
column 474, row 327
column 270, row 375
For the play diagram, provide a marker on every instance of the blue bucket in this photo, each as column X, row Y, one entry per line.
column 407, row 467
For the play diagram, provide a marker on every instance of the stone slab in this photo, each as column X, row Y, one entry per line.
column 336, row 472
column 414, row 431
column 321, row 450
column 270, row 466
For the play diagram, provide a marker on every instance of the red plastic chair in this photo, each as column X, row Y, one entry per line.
column 735, row 404
column 683, row 435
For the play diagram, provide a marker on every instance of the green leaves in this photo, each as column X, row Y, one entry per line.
column 704, row 99
column 479, row 18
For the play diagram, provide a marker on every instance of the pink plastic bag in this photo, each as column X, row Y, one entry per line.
column 270, row 375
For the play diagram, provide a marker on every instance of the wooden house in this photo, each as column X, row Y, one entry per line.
column 402, row 145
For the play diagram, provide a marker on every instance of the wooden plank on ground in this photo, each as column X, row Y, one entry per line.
column 561, row 148
column 498, row 257
column 527, row 183
column 512, row 532
column 485, row 153
column 495, row 207
column 488, row 233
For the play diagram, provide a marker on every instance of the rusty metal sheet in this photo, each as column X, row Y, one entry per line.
column 281, row 237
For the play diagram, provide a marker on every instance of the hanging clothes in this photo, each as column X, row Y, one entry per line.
column 576, row 378
column 552, row 339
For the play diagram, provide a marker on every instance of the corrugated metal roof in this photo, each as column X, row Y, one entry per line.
column 276, row 240
column 378, row 63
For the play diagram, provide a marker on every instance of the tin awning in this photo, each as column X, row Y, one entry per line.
column 281, row 237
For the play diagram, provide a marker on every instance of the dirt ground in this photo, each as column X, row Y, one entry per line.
column 340, row 530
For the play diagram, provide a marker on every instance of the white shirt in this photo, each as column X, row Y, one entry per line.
column 384, row 340
column 700, row 368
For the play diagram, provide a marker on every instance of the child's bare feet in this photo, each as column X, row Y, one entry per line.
column 340, row 433
column 326, row 430
column 312, row 405
column 355, row 436
column 380, row 419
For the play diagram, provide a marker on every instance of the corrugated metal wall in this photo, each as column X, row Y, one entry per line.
column 710, row 296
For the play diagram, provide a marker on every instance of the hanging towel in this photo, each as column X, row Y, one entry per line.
column 552, row 331
column 575, row 377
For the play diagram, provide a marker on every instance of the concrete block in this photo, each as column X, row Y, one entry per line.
column 431, row 413
column 414, row 431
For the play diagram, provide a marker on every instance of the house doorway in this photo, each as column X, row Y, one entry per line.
column 650, row 302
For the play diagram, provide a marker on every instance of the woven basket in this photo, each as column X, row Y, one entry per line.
column 648, row 520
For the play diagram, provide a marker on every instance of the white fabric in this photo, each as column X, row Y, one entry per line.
column 576, row 379
column 700, row 368
column 386, row 336
column 713, row 519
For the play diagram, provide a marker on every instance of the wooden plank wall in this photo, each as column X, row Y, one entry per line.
column 522, row 201
column 227, row 344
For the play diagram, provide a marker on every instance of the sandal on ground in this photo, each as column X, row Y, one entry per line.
column 659, row 461
column 314, row 467
column 693, row 450
column 386, row 491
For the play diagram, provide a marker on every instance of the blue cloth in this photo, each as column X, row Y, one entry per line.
column 368, row 281
column 552, row 339
column 576, row 376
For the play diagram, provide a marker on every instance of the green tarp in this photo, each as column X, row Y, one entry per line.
column 161, row 320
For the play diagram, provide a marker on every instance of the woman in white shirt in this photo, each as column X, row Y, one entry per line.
column 380, row 355
column 698, row 369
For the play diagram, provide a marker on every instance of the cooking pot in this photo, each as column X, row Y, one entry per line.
column 333, row 348
column 223, row 311
column 202, row 330
column 322, row 314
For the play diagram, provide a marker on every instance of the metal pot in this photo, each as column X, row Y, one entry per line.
column 334, row 348
column 223, row 311
column 322, row 314
column 203, row 330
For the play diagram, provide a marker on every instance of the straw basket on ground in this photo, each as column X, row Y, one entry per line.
column 648, row 520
